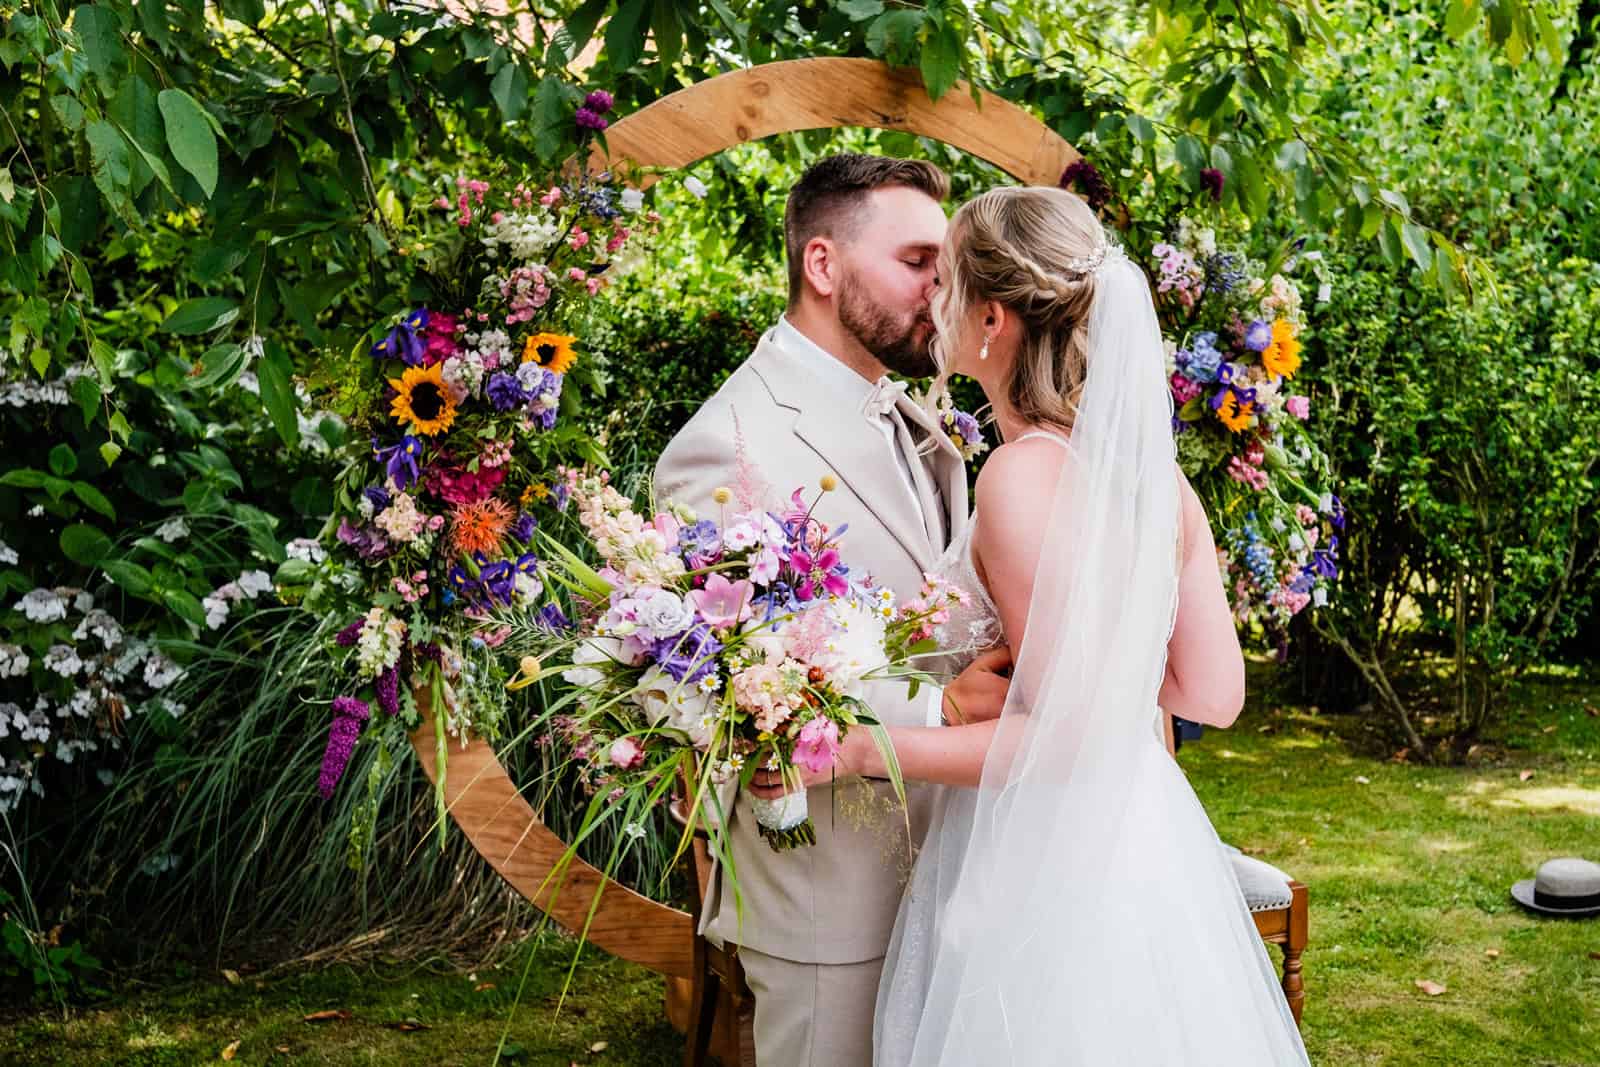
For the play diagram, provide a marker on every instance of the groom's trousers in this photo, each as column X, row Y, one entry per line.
column 812, row 1014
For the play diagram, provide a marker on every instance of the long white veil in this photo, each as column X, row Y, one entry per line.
column 1078, row 908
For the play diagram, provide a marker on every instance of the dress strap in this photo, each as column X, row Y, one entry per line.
column 1057, row 438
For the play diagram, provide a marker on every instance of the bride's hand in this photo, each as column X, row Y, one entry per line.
column 978, row 693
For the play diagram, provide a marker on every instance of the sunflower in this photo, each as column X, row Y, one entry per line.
column 479, row 527
column 552, row 351
column 1235, row 414
column 1282, row 356
column 422, row 400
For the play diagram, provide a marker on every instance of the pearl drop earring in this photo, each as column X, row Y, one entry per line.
column 983, row 353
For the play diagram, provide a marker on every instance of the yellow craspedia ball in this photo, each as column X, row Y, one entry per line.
column 529, row 665
column 722, row 494
column 829, row 483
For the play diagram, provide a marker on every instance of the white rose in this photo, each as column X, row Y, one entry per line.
column 664, row 614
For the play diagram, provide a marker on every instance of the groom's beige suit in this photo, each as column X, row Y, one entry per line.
column 816, row 921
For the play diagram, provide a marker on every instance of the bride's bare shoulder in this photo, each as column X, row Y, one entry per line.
column 1017, row 487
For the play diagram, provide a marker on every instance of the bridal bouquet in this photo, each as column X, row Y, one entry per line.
column 456, row 409
column 1233, row 330
column 712, row 648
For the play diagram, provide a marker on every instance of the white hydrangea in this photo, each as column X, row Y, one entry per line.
column 308, row 549
column 43, row 605
column 160, row 672
column 8, row 555
column 13, row 661
column 254, row 583
column 101, row 625
column 63, row 659
column 174, row 529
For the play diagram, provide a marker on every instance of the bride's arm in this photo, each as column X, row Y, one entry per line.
column 1205, row 668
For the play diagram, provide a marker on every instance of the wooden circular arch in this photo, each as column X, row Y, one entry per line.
column 675, row 131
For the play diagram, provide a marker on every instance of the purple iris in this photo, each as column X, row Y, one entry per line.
column 377, row 496
column 1258, row 336
column 528, row 564
column 1225, row 372
column 552, row 618
column 1336, row 516
column 688, row 656
column 462, row 584
column 400, row 460
column 522, row 529
column 505, row 392
column 560, row 494
column 403, row 342
column 499, row 581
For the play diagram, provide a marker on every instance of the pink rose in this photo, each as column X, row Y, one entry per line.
column 626, row 753
column 817, row 745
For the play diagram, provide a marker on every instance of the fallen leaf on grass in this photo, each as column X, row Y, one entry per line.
column 232, row 977
column 1492, row 953
column 1594, row 712
column 228, row 1053
column 598, row 1046
column 283, row 1049
column 331, row 1015
column 481, row 986
column 1431, row 988
column 1524, row 775
column 406, row 1026
column 1401, row 756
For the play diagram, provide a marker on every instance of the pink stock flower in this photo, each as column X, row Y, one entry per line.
column 1299, row 407
column 722, row 603
column 817, row 745
column 626, row 753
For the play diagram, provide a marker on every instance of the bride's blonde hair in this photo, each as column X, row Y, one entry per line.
column 1034, row 250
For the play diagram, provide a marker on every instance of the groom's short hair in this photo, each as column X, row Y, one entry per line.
column 828, row 199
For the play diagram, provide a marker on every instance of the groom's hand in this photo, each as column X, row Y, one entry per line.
column 979, row 692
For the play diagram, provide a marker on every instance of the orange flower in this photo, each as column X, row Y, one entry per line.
column 479, row 527
column 1236, row 416
column 552, row 351
column 1282, row 356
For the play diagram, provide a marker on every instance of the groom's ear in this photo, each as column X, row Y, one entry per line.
column 821, row 265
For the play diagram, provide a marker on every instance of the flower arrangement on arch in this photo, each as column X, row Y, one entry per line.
column 457, row 411
column 1234, row 331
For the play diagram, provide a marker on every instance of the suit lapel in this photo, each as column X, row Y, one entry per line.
column 851, row 446
column 944, row 461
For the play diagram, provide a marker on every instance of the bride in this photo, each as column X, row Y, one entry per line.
column 1072, row 903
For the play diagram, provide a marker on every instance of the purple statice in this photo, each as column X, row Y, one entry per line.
column 388, row 687
column 1224, row 272
column 1090, row 182
column 404, row 341
column 505, row 392
column 1257, row 336
column 400, row 460
column 348, row 715
column 1212, row 181
column 589, row 119
column 498, row 581
column 347, row 637
column 552, row 618
column 368, row 544
column 688, row 656
column 522, row 529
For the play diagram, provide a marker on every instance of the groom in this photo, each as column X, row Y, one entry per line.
column 862, row 235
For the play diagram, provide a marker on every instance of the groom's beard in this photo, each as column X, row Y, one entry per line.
column 905, row 346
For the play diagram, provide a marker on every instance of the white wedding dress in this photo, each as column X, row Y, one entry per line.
column 1078, row 908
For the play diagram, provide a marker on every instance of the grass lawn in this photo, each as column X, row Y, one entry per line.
column 1409, row 869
